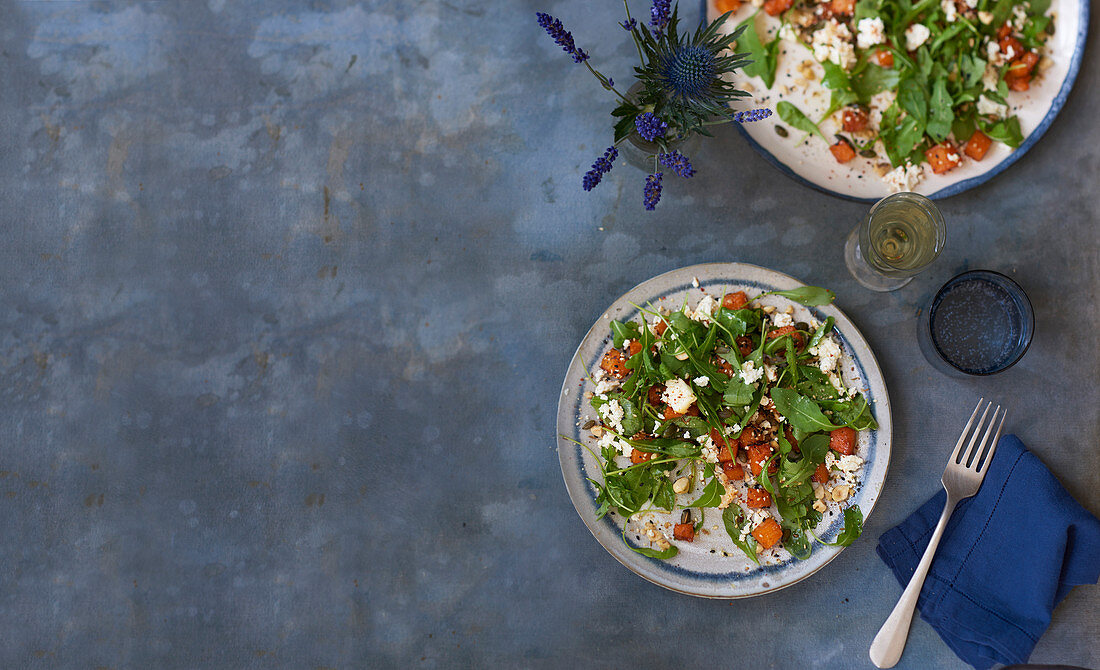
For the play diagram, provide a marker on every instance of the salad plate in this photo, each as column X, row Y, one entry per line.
column 808, row 160
column 710, row 566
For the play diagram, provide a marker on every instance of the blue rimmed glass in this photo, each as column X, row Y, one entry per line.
column 979, row 323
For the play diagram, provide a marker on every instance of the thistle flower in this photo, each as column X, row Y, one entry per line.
column 658, row 16
column 688, row 72
column 650, row 127
column 752, row 115
column 652, row 193
column 601, row 167
column 562, row 37
column 678, row 163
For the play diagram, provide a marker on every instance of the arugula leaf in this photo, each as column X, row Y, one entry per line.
column 734, row 520
column 794, row 117
column 624, row 331
column 837, row 80
column 738, row 393
column 912, row 99
column 821, row 332
column 739, row 321
column 874, row 79
column 853, row 528
column 669, row 446
column 1006, row 131
column 765, row 57
column 802, row 412
column 816, row 384
column 797, row 543
column 814, row 448
column 807, row 295
column 654, row 553
column 939, row 121
column 854, row 413
column 711, row 495
column 632, row 419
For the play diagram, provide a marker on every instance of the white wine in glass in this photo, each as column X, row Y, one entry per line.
column 901, row 235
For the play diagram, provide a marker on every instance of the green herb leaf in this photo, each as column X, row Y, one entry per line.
column 802, row 412
column 853, row 528
column 764, row 56
column 711, row 495
column 939, row 121
column 623, row 331
column 794, row 117
column 654, row 553
column 821, row 332
column 734, row 520
column 1006, row 131
column 807, row 295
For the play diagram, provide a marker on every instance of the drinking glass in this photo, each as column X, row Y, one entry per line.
column 901, row 235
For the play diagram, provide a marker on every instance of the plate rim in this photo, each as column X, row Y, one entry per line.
column 1056, row 106
column 563, row 394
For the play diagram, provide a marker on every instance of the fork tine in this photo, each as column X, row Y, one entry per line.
column 996, row 439
column 968, row 455
column 981, row 448
column 966, row 430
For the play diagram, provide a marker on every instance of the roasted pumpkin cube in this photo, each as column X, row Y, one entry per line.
column 943, row 158
column 821, row 474
column 777, row 7
column 977, row 145
column 684, row 532
column 843, row 441
column 735, row 300
column 614, row 364
column 639, row 456
column 734, row 471
column 768, row 533
column 884, row 58
column 855, row 119
column 758, row 453
column 758, row 498
column 843, row 7
column 842, row 151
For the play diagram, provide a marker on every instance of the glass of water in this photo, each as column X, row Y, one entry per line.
column 901, row 235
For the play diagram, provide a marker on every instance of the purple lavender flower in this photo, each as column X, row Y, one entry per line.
column 601, row 167
column 563, row 37
column 658, row 16
column 652, row 190
column 628, row 25
column 752, row 115
column 678, row 162
column 649, row 126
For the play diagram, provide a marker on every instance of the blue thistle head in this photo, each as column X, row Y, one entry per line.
column 652, row 193
column 688, row 71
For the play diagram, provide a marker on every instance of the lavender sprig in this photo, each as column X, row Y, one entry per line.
column 628, row 24
column 678, row 163
column 652, row 193
column 658, row 16
column 752, row 115
column 601, row 167
column 562, row 37
column 649, row 126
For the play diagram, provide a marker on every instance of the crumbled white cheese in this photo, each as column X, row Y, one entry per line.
column 612, row 414
column 610, row 440
column 904, row 177
column 701, row 381
column 987, row 106
column 695, row 282
column 750, row 374
column 830, row 460
column 953, row 157
column 787, row 32
column 709, row 448
column 971, row 3
column 915, row 35
column 835, row 381
column 779, row 320
column 678, row 395
column 993, row 51
column 605, row 385
column 950, row 11
column 832, row 42
column 990, row 78
column 870, row 32
column 626, row 344
column 850, row 463
column 1019, row 17
column 827, row 352
column 704, row 311
column 770, row 372
column 985, row 17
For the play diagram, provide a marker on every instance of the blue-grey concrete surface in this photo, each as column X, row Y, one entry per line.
column 288, row 292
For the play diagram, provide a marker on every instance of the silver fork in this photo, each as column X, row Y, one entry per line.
column 961, row 479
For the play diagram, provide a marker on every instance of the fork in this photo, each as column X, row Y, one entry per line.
column 961, row 479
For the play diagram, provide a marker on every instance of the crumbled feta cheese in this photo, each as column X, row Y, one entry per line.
column 953, row 157
column 850, row 463
column 971, row 3
column 770, row 372
column 605, row 385
column 1019, row 17
column 780, row 320
column 750, row 374
column 915, row 35
column 950, row 11
column 787, row 32
column 870, row 32
column 701, row 381
column 704, row 311
column 709, row 448
column 904, row 177
column 985, row 17
column 695, row 282
column 830, row 460
column 993, row 51
column 678, row 395
column 990, row 78
column 610, row 440
column 831, row 42
column 827, row 352
column 626, row 344
column 835, row 381
column 987, row 106
column 612, row 414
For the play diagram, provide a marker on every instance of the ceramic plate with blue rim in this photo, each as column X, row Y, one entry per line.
column 712, row 566
column 811, row 163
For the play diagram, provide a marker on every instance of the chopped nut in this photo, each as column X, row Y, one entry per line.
column 841, row 493
column 759, row 549
column 682, row 356
column 985, row 17
column 789, row 310
column 681, row 485
column 587, row 395
column 819, row 492
column 596, row 431
column 768, row 309
column 819, row 505
column 1045, row 64
column 747, row 87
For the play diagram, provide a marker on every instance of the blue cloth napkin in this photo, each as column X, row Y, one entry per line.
column 1009, row 555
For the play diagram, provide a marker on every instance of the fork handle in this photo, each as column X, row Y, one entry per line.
column 890, row 642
